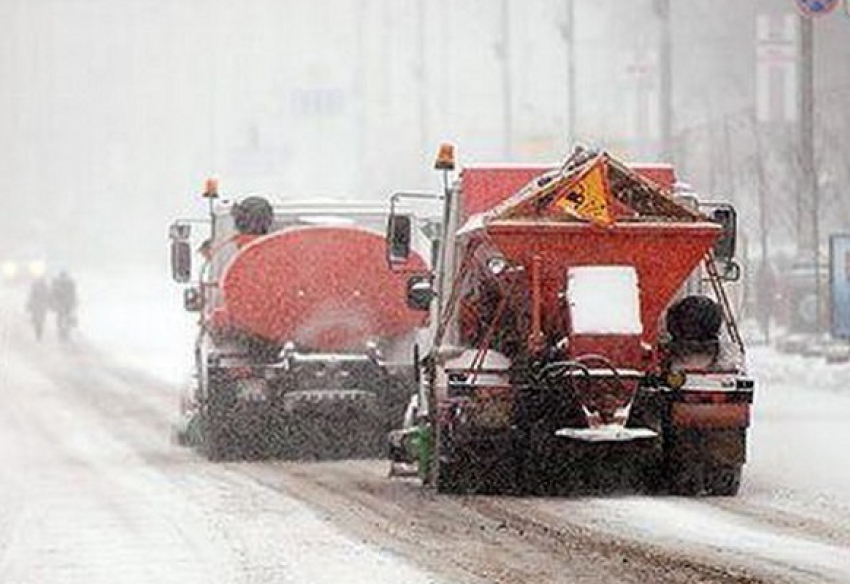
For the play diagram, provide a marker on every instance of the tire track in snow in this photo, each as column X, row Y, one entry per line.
column 199, row 522
column 349, row 499
column 491, row 538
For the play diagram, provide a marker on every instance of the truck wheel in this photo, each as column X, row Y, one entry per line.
column 478, row 470
column 217, row 444
column 450, row 472
column 706, row 462
column 706, row 479
column 395, row 397
column 723, row 481
column 219, row 440
column 686, row 480
column 448, row 480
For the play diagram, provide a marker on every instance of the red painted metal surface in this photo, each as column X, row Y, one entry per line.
column 484, row 187
column 710, row 416
column 664, row 255
column 627, row 348
column 663, row 175
column 325, row 288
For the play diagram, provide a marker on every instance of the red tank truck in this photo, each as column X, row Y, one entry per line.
column 580, row 336
column 301, row 325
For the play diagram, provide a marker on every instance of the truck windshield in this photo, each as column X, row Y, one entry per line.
column 604, row 300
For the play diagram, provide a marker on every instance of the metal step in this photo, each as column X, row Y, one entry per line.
column 607, row 433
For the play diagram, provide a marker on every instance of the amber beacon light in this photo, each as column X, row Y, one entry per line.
column 211, row 188
column 445, row 157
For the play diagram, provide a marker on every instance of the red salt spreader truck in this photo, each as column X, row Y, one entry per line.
column 580, row 337
column 299, row 322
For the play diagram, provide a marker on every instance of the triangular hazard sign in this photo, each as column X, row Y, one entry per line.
column 587, row 194
column 567, row 194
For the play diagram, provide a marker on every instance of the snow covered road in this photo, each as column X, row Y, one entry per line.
column 92, row 490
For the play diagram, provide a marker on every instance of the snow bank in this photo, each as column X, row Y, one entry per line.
column 801, row 426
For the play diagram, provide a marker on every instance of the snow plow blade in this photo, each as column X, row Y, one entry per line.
column 611, row 433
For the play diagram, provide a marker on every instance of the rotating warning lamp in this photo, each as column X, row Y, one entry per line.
column 210, row 188
column 445, row 157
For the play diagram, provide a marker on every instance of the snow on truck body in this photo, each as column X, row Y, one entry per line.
column 297, row 311
column 564, row 353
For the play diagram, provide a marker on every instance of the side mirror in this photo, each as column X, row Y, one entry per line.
column 724, row 248
column 181, row 261
column 193, row 301
column 434, row 232
column 399, row 232
column 435, row 253
column 419, row 292
column 179, row 231
column 731, row 271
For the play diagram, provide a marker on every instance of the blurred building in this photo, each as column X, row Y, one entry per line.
column 112, row 111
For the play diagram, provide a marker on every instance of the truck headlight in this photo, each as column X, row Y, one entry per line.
column 36, row 268
column 497, row 265
column 9, row 269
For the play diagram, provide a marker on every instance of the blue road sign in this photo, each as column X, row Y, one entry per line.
column 816, row 7
column 839, row 285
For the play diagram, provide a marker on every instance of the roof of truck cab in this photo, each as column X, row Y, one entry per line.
column 318, row 206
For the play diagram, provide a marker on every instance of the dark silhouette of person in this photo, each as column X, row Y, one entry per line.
column 38, row 303
column 63, row 297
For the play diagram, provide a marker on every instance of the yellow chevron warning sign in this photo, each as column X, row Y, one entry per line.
column 587, row 194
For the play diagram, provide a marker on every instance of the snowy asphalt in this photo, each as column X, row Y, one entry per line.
column 93, row 491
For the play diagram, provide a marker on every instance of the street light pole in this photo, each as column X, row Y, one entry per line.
column 808, row 168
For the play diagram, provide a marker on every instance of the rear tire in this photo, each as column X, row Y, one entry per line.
column 449, row 471
column 706, row 462
column 707, row 480
column 686, row 480
column 449, row 479
column 724, row 481
column 486, row 466
column 219, row 445
column 394, row 398
column 219, row 440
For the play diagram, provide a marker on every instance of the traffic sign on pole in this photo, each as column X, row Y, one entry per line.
column 816, row 7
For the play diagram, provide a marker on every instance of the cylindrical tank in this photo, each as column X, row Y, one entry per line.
column 326, row 288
